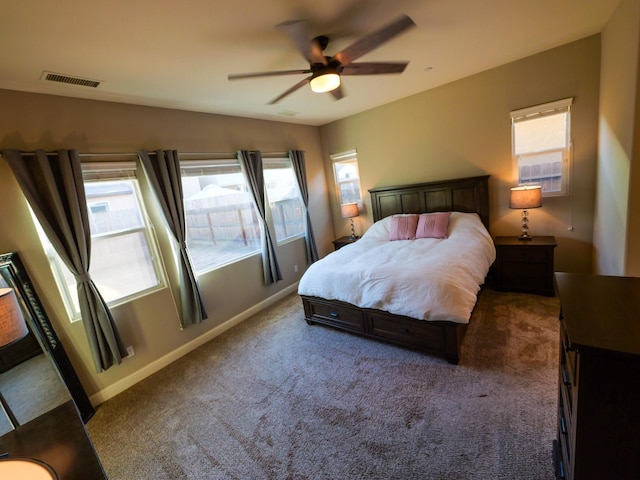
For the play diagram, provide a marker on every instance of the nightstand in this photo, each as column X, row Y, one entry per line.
column 525, row 266
column 342, row 241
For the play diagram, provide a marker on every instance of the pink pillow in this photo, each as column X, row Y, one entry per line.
column 403, row 227
column 433, row 225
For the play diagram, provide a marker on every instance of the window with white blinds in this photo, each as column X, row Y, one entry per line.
column 541, row 146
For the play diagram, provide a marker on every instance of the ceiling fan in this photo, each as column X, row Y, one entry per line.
column 326, row 71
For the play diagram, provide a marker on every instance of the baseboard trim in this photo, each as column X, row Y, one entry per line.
column 157, row 365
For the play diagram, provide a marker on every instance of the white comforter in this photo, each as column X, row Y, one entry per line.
column 429, row 279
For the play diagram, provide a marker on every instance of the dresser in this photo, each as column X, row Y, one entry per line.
column 599, row 378
column 59, row 439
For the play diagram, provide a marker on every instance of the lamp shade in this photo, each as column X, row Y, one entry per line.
column 526, row 197
column 349, row 210
column 12, row 324
column 27, row 469
column 325, row 82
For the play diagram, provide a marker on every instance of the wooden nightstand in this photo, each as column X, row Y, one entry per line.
column 525, row 266
column 342, row 241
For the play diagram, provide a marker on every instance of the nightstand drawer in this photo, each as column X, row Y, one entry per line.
column 524, row 254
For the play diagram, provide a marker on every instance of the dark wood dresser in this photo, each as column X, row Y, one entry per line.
column 60, row 439
column 599, row 378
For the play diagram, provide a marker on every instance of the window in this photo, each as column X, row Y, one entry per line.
column 222, row 221
column 283, row 193
column 345, row 170
column 124, row 260
column 541, row 145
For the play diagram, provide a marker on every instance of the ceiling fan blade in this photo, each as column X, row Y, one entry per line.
column 373, row 40
column 298, row 85
column 374, row 68
column 297, row 32
column 240, row 76
column 338, row 93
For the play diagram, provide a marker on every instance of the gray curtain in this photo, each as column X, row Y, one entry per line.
column 54, row 188
column 251, row 163
column 297, row 160
column 163, row 175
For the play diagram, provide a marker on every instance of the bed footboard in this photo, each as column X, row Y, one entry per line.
column 442, row 338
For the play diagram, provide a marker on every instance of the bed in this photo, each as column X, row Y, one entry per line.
column 427, row 308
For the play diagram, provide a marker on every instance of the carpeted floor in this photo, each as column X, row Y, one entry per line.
column 274, row 398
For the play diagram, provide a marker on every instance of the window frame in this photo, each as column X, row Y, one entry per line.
column 348, row 157
column 109, row 171
column 209, row 165
column 558, row 107
column 272, row 163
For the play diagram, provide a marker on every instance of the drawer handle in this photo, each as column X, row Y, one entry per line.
column 334, row 314
column 565, row 377
column 563, row 425
column 402, row 330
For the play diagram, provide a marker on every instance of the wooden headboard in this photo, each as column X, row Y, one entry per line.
column 469, row 195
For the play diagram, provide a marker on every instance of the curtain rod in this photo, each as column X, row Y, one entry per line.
column 180, row 154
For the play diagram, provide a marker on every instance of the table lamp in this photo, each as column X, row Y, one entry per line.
column 350, row 210
column 529, row 196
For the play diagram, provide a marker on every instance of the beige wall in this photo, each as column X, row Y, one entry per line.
column 463, row 129
column 149, row 324
column 616, row 231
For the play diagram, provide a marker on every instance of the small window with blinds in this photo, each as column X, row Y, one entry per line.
column 221, row 217
column 124, row 255
column 541, row 146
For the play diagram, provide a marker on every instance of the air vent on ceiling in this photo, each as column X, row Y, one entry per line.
column 83, row 82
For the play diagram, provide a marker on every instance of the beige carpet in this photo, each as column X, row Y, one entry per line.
column 274, row 398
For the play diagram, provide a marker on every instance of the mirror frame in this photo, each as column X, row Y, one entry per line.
column 42, row 328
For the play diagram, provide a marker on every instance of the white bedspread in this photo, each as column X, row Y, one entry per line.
column 429, row 279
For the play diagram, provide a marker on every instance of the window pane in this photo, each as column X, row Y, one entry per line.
column 123, row 263
column 222, row 223
column 539, row 134
column 349, row 192
column 121, row 266
column 542, row 146
column 113, row 207
column 346, row 170
column 284, row 199
column 348, row 180
column 543, row 169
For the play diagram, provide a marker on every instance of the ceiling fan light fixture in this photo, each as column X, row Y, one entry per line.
column 325, row 82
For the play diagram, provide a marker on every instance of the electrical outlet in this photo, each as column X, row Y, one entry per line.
column 295, row 268
column 130, row 352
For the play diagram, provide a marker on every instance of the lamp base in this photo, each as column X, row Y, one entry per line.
column 353, row 235
column 525, row 238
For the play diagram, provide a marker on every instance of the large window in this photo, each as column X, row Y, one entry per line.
column 345, row 169
column 222, row 222
column 287, row 209
column 124, row 259
column 541, row 143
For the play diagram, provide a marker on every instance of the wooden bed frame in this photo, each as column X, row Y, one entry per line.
column 440, row 337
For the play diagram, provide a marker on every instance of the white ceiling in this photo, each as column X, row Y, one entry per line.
column 177, row 54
